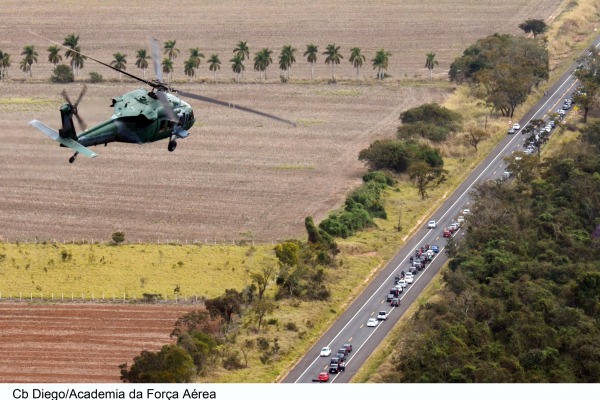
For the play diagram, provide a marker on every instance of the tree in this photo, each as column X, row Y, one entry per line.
column 262, row 60
column 4, row 64
column 474, row 136
column 356, row 59
column 260, row 309
column 189, row 68
column 141, row 61
column 214, row 64
column 587, row 73
column 243, row 51
column 237, row 65
column 30, row 56
column 53, row 56
column 333, row 57
column 286, row 59
column 263, row 278
column 167, row 66
column 170, row 50
column 381, row 62
column 119, row 62
column 311, row 57
column 423, row 174
column 430, row 63
column 62, row 74
column 71, row 42
column 535, row 26
column 196, row 55
column 172, row 364
column 118, row 237
column 225, row 306
column 77, row 60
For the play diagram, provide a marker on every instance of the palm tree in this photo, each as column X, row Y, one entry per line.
column 77, row 60
column 196, row 56
column 430, row 62
column 311, row 57
column 171, row 50
column 333, row 56
column 119, row 62
column 167, row 66
column 189, row 67
column 71, row 42
column 381, row 62
column 215, row 64
column 53, row 55
column 286, row 59
column 243, row 51
column 4, row 64
column 237, row 65
column 356, row 59
column 260, row 62
column 140, row 62
column 30, row 57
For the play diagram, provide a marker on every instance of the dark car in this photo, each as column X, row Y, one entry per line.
column 334, row 368
column 334, row 360
column 435, row 249
column 348, row 347
column 395, row 302
column 390, row 296
column 341, row 356
column 413, row 269
column 343, row 350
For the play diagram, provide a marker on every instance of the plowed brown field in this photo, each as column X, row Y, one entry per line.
column 236, row 175
column 75, row 343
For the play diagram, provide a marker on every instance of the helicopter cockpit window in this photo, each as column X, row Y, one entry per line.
column 164, row 123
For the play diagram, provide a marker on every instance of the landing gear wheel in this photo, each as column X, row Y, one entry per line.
column 172, row 145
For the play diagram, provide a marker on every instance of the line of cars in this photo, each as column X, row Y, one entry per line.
column 337, row 364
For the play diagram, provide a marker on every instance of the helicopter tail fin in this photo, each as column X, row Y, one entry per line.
column 54, row 135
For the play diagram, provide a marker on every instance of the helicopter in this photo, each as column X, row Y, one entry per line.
column 140, row 116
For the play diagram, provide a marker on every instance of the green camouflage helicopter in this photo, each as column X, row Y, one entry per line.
column 140, row 116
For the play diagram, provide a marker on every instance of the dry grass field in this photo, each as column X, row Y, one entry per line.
column 237, row 176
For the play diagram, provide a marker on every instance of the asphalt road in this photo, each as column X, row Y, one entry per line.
column 351, row 327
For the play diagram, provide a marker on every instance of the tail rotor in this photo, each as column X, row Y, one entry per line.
column 74, row 109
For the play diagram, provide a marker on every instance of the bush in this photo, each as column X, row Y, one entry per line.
column 118, row 237
column 62, row 74
column 95, row 77
column 381, row 177
column 291, row 326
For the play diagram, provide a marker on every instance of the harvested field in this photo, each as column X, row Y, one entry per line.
column 54, row 343
column 237, row 176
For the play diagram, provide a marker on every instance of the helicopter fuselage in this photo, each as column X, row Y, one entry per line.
column 139, row 117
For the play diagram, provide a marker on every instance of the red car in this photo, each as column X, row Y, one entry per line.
column 447, row 233
column 323, row 377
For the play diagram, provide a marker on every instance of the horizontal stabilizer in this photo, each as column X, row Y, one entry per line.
column 52, row 134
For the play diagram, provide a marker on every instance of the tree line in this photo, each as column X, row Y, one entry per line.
column 241, row 55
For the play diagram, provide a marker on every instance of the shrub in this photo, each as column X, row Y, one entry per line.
column 95, row 77
column 291, row 326
column 381, row 177
column 62, row 74
column 118, row 237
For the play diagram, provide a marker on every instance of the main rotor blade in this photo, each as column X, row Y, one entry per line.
column 156, row 60
column 237, row 107
column 166, row 105
column 81, row 94
column 93, row 59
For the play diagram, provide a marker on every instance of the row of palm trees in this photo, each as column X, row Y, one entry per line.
column 262, row 59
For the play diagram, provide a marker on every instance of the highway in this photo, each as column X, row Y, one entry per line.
column 351, row 327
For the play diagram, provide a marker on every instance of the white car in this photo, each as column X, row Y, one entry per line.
column 432, row 224
column 460, row 219
column 516, row 127
column 402, row 283
column 325, row 351
column 372, row 322
column 409, row 279
column 466, row 211
column 399, row 286
column 382, row 315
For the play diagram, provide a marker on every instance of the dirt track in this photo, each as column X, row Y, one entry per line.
column 76, row 343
